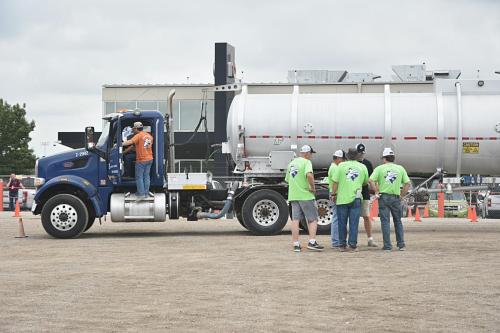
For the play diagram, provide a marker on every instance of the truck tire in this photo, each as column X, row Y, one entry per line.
column 265, row 212
column 64, row 216
column 324, row 213
column 90, row 222
column 239, row 217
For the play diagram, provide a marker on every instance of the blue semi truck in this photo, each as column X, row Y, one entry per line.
column 77, row 187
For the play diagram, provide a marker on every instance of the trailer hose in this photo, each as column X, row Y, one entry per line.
column 227, row 204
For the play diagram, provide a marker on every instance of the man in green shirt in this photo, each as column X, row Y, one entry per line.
column 386, row 180
column 348, row 179
column 301, row 189
column 338, row 157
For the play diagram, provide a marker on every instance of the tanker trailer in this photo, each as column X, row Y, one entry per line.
column 449, row 124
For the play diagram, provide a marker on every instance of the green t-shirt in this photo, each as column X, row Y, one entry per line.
column 331, row 170
column 296, row 177
column 389, row 177
column 350, row 176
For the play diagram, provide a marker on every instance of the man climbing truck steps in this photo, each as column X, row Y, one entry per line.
column 263, row 133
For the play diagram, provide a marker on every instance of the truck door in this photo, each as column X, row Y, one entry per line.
column 115, row 164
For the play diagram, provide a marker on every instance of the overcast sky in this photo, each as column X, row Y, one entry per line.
column 56, row 55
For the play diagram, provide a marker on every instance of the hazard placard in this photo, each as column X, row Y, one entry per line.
column 470, row 147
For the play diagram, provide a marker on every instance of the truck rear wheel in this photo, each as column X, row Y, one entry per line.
column 265, row 212
column 239, row 217
column 64, row 216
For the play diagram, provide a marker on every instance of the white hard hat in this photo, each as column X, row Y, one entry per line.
column 307, row 149
column 339, row 153
column 138, row 124
column 387, row 152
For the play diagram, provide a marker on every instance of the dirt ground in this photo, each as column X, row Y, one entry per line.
column 213, row 276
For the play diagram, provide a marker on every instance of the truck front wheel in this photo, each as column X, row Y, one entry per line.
column 265, row 212
column 64, row 216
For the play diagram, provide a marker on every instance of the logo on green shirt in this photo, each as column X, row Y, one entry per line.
column 391, row 176
column 352, row 174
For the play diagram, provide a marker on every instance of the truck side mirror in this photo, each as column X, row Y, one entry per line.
column 89, row 137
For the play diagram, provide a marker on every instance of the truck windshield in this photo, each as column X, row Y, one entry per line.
column 103, row 139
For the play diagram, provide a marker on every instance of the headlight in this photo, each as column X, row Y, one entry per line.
column 460, row 207
column 39, row 181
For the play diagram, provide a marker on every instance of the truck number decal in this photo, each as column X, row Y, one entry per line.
column 278, row 141
column 81, row 153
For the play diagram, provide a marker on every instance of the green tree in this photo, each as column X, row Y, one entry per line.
column 15, row 155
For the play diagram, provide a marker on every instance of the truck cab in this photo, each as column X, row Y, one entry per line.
column 76, row 187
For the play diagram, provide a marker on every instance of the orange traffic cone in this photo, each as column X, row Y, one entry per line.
column 426, row 211
column 21, row 233
column 17, row 211
column 410, row 215
column 417, row 215
column 469, row 213
column 474, row 215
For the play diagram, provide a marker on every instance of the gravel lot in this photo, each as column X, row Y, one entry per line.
column 213, row 276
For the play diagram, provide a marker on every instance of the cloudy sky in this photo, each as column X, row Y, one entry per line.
column 56, row 55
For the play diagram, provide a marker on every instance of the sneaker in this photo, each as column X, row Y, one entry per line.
column 371, row 243
column 335, row 246
column 315, row 246
column 352, row 249
column 297, row 248
column 386, row 249
column 402, row 248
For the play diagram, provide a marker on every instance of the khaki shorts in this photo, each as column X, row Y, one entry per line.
column 306, row 209
column 365, row 208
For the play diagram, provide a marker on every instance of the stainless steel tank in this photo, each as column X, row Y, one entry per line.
column 455, row 126
column 125, row 208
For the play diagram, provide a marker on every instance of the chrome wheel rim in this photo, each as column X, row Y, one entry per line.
column 325, row 212
column 266, row 212
column 63, row 217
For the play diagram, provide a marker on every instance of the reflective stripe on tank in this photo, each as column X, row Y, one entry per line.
column 366, row 137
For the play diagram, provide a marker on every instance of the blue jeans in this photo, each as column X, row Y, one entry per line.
column 142, row 177
column 391, row 204
column 12, row 201
column 334, row 225
column 349, row 212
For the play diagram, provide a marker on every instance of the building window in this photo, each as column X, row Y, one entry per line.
column 109, row 107
column 190, row 112
column 128, row 105
column 187, row 112
column 147, row 105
